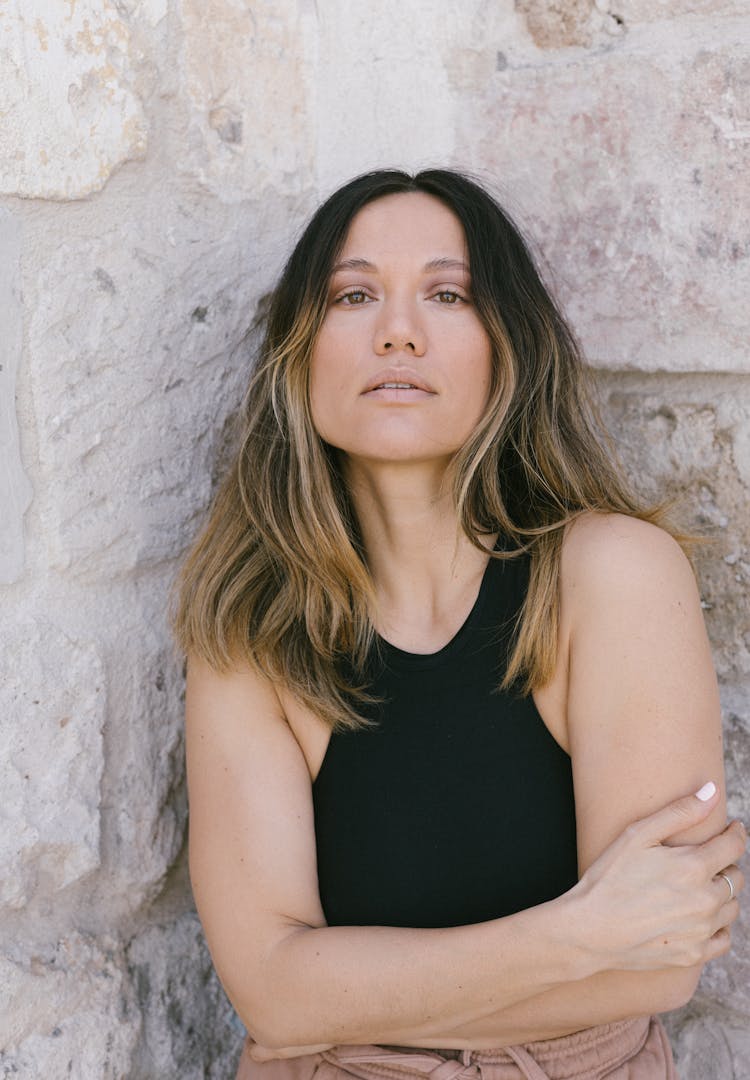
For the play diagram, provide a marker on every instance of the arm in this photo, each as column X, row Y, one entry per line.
column 292, row 979
column 297, row 982
column 643, row 723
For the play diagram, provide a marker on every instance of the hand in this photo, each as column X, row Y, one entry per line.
column 648, row 906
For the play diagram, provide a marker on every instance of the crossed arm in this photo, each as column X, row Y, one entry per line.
column 643, row 729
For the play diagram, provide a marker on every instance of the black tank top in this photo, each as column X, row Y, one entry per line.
column 458, row 807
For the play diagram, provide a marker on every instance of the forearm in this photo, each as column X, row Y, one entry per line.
column 358, row 984
column 600, row 999
column 643, row 907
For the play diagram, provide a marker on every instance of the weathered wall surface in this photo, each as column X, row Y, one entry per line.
column 156, row 160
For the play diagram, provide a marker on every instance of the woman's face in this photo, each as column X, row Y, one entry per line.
column 401, row 368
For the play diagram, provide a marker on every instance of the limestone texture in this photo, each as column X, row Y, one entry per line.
column 677, row 445
column 170, row 325
column 158, row 159
column 566, row 23
column 622, row 163
column 68, row 113
column 70, row 1011
column 711, row 1046
column 195, row 1036
column 15, row 490
column 51, row 768
column 144, row 815
column 243, row 64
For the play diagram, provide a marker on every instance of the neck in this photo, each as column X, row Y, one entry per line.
column 424, row 567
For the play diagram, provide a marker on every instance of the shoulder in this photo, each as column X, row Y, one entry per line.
column 628, row 596
column 233, row 714
column 632, row 619
column 238, row 683
column 622, row 559
column 227, row 710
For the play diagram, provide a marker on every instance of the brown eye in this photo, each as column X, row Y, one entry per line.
column 353, row 298
column 447, row 296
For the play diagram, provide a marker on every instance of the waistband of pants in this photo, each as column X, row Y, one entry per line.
column 590, row 1052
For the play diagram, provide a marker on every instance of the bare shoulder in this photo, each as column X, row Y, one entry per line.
column 213, row 691
column 239, row 749
column 621, row 559
column 231, row 717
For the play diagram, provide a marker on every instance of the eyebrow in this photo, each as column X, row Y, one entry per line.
column 442, row 263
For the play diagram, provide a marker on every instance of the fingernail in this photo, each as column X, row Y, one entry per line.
column 706, row 791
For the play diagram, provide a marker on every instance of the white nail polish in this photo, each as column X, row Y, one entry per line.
column 706, row 791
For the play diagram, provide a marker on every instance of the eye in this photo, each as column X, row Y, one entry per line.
column 352, row 298
column 449, row 297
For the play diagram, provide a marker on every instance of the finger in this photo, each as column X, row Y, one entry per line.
column 678, row 815
column 730, row 881
column 726, row 915
column 718, row 945
column 723, row 850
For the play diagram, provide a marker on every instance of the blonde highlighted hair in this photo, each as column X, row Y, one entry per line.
column 278, row 577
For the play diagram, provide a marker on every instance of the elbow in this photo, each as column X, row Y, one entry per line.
column 264, row 1025
column 275, row 1003
column 273, row 1021
column 266, row 1022
column 278, row 1033
column 260, row 1028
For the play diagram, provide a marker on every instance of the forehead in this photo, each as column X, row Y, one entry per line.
column 407, row 222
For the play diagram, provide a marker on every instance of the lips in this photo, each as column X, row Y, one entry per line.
column 398, row 379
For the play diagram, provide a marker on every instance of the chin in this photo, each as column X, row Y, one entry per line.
column 378, row 454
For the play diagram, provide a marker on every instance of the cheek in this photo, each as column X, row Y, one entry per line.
column 479, row 382
column 326, row 392
column 317, row 399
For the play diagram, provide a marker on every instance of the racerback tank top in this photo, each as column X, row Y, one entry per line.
column 458, row 806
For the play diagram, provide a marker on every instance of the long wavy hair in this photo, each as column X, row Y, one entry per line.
column 278, row 577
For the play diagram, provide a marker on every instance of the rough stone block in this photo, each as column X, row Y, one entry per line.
column 638, row 210
column 145, row 806
column 405, row 113
column 189, row 1028
column 133, row 356
column 677, row 438
column 242, row 64
column 68, row 114
column 51, row 767
column 15, row 490
column 73, row 1011
column 710, row 1044
column 149, row 11
column 565, row 23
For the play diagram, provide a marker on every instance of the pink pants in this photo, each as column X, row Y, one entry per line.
column 627, row 1050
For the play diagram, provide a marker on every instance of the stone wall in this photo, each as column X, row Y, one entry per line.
column 156, row 160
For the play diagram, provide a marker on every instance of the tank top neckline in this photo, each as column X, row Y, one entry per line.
column 400, row 658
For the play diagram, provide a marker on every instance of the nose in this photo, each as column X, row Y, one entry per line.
column 399, row 328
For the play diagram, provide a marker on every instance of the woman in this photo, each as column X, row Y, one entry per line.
column 440, row 662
